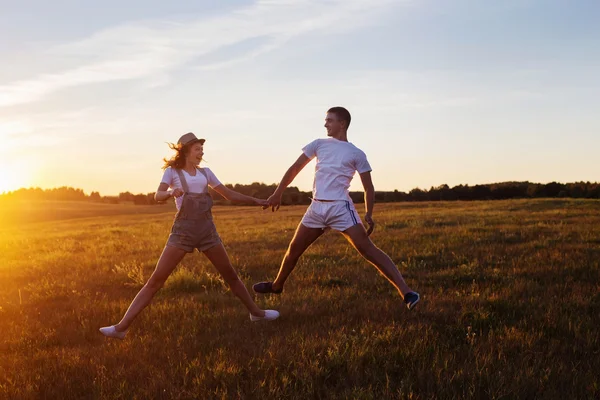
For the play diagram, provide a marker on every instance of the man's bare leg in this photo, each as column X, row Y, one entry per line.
column 357, row 236
column 301, row 241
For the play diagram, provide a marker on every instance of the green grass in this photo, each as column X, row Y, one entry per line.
column 510, row 306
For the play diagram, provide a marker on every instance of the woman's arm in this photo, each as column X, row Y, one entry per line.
column 163, row 193
column 234, row 196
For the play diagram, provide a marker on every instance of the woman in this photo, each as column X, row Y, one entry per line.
column 193, row 228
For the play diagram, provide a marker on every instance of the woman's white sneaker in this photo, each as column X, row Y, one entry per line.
column 110, row 331
column 270, row 315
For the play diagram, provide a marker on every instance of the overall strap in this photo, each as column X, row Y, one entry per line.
column 203, row 172
column 184, row 184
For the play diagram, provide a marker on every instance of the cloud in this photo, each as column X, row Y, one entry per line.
column 151, row 49
column 12, row 129
column 19, row 137
column 45, row 130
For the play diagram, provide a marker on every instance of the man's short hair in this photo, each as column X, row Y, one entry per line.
column 342, row 114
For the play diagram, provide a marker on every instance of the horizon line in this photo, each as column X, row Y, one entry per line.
column 4, row 193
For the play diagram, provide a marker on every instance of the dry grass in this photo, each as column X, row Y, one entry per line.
column 510, row 307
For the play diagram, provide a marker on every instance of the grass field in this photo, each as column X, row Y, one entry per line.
column 510, row 306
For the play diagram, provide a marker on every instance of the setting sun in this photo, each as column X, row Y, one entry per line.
column 14, row 175
column 15, row 171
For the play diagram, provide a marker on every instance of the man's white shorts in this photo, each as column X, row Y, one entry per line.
column 338, row 214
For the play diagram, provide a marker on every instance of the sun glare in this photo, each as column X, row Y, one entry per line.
column 8, row 180
column 6, row 183
column 15, row 171
column 14, row 176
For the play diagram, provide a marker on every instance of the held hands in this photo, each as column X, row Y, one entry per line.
column 261, row 202
column 274, row 202
column 370, row 222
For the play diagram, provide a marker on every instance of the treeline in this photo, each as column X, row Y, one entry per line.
column 494, row 191
column 292, row 195
column 71, row 194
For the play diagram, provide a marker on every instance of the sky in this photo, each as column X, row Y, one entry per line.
column 440, row 91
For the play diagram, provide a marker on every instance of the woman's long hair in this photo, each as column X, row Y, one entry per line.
column 178, row 160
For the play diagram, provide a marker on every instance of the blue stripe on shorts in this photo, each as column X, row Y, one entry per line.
column 351, row 213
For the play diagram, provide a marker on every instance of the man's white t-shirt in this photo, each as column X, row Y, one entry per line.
column 196, row 184
column 337, row 161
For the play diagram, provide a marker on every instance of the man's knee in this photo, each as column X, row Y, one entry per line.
column 292, row 255
column 366, row 248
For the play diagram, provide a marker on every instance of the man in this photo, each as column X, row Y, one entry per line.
column 332, row 207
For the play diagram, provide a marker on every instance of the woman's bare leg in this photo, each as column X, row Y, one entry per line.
column 170, row 257
column 219, row 258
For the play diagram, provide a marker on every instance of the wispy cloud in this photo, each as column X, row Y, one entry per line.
column 19, row 137
column 21, row 134
column 153, row 49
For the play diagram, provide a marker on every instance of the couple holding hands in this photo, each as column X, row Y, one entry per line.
column 331, row 207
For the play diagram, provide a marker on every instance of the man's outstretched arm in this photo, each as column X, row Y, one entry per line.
column 367, row 183
column 275, row 200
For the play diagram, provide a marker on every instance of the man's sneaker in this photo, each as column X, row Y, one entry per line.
column 411, row 299
column 265, row 287
column 270, row 315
